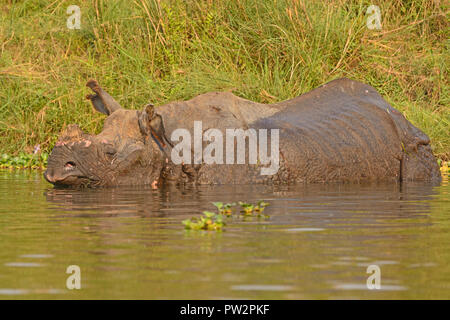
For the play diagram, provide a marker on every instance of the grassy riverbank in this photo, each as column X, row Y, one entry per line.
column 262, row 50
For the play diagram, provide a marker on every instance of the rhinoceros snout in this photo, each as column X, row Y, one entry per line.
column 56, row 175
column 50, row 177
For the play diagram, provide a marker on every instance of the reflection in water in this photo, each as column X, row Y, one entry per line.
column 317, row 243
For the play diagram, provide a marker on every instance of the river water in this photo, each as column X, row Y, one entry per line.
column 316, row 244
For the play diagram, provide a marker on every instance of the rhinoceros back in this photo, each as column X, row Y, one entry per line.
column 345, row 131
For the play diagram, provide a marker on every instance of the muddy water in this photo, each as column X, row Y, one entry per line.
column 317, row 243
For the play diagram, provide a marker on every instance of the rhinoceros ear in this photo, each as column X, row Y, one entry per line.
column 97, row 103
column 144, row 122
column 151, row 124
column 101, row 100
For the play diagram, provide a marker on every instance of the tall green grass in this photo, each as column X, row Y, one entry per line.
column 264, row 50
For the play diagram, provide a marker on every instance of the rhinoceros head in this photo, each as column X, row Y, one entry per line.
column 127, row 151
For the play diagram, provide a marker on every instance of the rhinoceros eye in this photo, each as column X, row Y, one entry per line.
column 110, row 150
column 69, row 165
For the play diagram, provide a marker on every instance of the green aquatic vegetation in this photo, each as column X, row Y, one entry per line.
column 210, row 221
column 261, row 206
column 444, row 166
column 224, row 208
column 214, row 221
column 23, row 160
column 247, row 208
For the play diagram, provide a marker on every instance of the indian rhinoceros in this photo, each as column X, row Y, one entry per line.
column 342, row 131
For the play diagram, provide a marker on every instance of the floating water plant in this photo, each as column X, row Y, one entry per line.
column 210, row 221
column 214, row 221
column 261, row 206
column 247, row 208
column 445, row 168
column 225, row 209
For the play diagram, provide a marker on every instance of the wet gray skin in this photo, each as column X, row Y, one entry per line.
column 343, row 131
